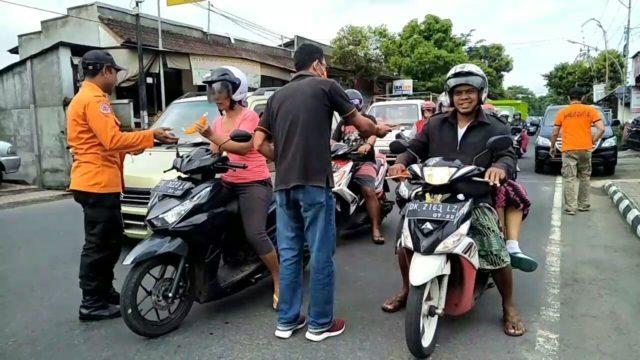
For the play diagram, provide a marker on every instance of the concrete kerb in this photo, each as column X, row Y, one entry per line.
column 626, row 206
column 34, row 200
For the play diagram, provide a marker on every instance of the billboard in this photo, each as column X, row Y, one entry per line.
column 599, row 92
column 403, row 87
column 180, row 2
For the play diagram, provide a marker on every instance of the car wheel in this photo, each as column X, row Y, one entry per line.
column 609, row 169
column 539, row 167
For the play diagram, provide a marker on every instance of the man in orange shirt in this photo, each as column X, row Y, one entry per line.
column 99, row 148
column 576, row 121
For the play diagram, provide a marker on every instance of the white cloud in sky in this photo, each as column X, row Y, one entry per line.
column 534, row 31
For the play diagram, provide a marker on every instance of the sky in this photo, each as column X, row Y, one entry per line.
column 534, row 32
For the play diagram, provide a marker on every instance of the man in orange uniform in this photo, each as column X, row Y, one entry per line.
column 575, row 121
column 96, row 180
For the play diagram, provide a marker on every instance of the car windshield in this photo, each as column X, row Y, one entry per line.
column 396, row 114
column 182, row 115
column 550, row 116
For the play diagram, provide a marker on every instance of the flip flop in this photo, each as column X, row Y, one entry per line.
column 511, row 324
column 275, row 302
column 522, row 262
column 395, row 304
column 378, row 240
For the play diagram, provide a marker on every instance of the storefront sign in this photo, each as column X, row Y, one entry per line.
column 202, row 64
column 403, row 87
column 635, row 99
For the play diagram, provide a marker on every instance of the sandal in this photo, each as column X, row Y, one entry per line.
column 275, row 302
column 395, row 303
column 377, row 239
column 511, row 324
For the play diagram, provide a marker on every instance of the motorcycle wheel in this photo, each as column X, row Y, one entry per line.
column 421, row 320
column 143, row 285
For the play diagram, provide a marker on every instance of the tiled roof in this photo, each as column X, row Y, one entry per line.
column 192, row 45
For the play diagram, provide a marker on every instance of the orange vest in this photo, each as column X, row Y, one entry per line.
column 98, row 145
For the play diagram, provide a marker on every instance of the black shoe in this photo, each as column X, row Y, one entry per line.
column 94, row 308
column 112, row 297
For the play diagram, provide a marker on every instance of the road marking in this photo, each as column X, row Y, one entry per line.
column 547, row 338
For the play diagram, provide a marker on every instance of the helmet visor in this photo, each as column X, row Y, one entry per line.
column 218, row 91
column 471, row 80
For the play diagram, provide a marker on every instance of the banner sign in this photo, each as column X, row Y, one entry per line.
column 181, row 2
column 202, row 64
column 402, row 87
column 599, row 91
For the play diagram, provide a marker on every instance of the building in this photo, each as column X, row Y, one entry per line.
column 35, row 90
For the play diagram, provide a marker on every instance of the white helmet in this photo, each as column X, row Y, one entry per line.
column 443, row 101
column 467, row 74
column 229, row 78
column 504, row 113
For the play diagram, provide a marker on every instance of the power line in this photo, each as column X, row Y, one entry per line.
column 49, row 11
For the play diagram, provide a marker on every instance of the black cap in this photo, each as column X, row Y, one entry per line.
column 99, row 57
column 577, row 92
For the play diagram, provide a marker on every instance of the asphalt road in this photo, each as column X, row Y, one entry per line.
column 582, row 304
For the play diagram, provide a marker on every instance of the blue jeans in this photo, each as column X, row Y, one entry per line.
column 306, row 213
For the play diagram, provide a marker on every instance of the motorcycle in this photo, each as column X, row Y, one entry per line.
column 351, row 209
column 444, row 272
column 197, row 250
column 633, row 134
column 518, row 132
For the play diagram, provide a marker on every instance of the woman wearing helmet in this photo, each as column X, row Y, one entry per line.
column 227, row 87
column 428, row 108
column 366, row 170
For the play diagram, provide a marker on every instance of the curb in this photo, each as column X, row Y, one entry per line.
column 19, row 203
column 626, row 206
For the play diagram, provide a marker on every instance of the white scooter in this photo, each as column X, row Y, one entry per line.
column 351, row 209
column 444, row 274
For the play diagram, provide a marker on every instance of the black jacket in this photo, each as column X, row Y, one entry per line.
column 439, row 138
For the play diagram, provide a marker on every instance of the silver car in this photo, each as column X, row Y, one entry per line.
column 9, row 159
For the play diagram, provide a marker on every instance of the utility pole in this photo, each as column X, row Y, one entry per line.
column 208, row 18
column 625, row 54
column 606, row 47
column 142, row 81
column 161, row 60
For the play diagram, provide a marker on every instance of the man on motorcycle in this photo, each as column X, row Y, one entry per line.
column 504, row 116
column 366, row 171
column 463, row 134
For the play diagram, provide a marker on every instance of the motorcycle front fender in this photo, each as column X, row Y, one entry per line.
column 426, row 267
column 156, row 245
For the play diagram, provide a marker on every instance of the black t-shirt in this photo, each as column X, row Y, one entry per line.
column 298, row 118
column 348, row 134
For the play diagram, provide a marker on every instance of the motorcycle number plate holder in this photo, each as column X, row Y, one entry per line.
column 172, row 187
column 432, row 211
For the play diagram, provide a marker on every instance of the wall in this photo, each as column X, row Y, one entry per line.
column 67, row 29
column 33, row 119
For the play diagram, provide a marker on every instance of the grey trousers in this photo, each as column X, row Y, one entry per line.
column 576, row 170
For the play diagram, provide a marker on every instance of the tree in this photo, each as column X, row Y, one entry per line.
column 495, row 62
column 518, row 92
column 359, row 48
column 585, row 73
column 425, row 51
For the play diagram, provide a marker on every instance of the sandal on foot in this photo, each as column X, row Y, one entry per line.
column 511, row 325
column 378, row 239
column 523, row 262
column 275, row 302
column 395, row 304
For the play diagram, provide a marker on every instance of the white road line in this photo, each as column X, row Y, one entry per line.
column 547, row 338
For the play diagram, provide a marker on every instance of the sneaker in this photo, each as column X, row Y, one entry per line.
column 584, row 208
column 569, row 212
column 285, row 334
column 336, row 329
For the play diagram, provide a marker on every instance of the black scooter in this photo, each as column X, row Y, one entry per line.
column 197, row 250
column 633, row 135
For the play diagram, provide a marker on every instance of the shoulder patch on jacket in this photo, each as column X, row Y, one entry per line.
column 105, row 108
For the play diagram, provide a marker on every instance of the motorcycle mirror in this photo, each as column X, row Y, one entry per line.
column 615, row 123
column 401, row 136
column 535, row 122
column 399, row 146
column 499, row 143
column 240, row 136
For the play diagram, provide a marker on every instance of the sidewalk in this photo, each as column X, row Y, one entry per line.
column 625, row 190
column 13, row 195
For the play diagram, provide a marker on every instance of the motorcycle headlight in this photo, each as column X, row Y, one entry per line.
column 543, row 141
column 172, row 216
column 610, row 142
column 453, row 240
column 437, row 175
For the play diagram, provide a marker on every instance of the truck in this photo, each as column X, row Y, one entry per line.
column 511, row 106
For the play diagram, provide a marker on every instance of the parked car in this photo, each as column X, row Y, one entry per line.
column 533, row 125
column 404, row 113
column 605, row 153
column 143, row 172
column 9, row 159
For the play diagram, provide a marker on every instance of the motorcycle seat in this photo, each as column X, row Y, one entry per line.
column 233, row 207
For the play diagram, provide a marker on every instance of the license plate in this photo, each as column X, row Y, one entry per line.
column 172, row 187
column 432, row 211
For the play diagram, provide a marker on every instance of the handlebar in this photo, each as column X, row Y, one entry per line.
column 236, row 165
